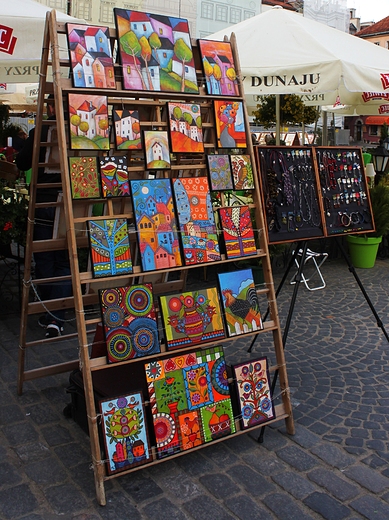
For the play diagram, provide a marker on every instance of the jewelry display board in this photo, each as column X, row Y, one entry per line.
column 125, row 296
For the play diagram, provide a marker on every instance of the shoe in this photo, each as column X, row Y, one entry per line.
column 53, row 330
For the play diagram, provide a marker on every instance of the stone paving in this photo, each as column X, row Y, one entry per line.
column 335, row 466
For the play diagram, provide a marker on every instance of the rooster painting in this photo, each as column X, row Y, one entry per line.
column 240, row 302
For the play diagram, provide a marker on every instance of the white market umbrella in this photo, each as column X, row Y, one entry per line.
column 22, row 24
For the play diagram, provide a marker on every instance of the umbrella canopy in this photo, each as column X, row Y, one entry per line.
column 281, row 52
column 22, row 25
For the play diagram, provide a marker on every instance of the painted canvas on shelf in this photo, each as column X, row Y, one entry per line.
column 155, row 52
column 156, row 224
column 186, row 131
column 157, row 150
column 196, row 220
column 242, row 172
column 230, row 124
column 90, row 56
column 190, row 400
column 114, row 176
column 84, row 177
column 88, row 122
column 127, row 129
column 238, row 231
column 253, row 388
column 240, row 302
column 124, row 429
column 220, row 175
column 129, row 322
column 110, row 247
column 219, row 68
column 191, row 318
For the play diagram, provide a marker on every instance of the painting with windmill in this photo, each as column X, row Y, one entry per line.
column 155, row 52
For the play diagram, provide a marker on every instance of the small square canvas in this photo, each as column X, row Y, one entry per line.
column 124, row 429
column 186, row 131
column 220, row 175
column 129, row 322
column 219, row 68
column 88, row 122
column 238, row 231
column 110, row 247
column 191, row 318
column 196, row 220
column 230, row 124
column 114, row 176
column 155, row 219
column 155, row 52
column 254, row 392
column 157, row 151
column 84, row 177
column 240, row 302
column 90, row 56
column 242, row 172
column 127, row 129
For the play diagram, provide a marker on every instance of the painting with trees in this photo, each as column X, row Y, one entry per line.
column 219, row 68
column 89, row 123
column 155, row 52
column 238, row 231
column 157, row 152
column 186, row 131
column 127, row 129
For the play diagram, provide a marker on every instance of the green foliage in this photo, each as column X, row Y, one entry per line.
column 379, row 196
column 292, row 111
column 384, row 131
column 13, row 216
column 7, row 129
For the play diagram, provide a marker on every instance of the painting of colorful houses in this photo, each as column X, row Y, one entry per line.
column 155, row 52
column 219, row 68
column 185, row 127
column 156, row 149
column 196, row 220
column 90, row 56
column 156, row 224
column 127, row 129
column 230, row 125
column 89, row 124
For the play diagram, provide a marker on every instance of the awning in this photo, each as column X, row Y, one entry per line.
column 377, row 120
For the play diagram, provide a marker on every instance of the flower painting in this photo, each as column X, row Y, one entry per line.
column 230, row 124
column 155, row 52
column 242, row 171
column 114, row 176
column 156, row 149
column 220, row 175
column 88, row 118
column 185, row 127
column 84, row 177
column 219, row 68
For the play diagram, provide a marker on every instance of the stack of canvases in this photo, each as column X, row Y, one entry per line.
column 189, row 393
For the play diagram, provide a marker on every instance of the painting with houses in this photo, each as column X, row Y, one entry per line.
column 89, row 123
column 155, row 52
column 219, row 68
column 185, row 127
column 127, row 129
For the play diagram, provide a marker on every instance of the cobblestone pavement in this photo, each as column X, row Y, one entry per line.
column 334, row 467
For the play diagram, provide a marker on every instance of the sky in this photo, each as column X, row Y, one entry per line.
column 370, row 10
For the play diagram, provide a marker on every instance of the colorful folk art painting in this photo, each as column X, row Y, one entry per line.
column 88, row 122
column 191, row 318
column 127, row 129
column 219, row 68
column 240, row 302
column 196, row 220
column 155, row 219
column 124, row 429
column 190, row 400
column 84, row 177
column 238, row 231
column 254, row 392
column 155, row 52
column 114, row 176
column 157, row 150
column 129, row 322
column 230, row 124
column 186, row 131
column 242, row 172
column 110, row 247
column 90, row 56
column 220, row 175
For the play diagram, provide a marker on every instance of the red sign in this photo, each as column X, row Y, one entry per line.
column 385, row 80
column 7, row 41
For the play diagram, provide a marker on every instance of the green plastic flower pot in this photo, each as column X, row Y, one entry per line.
column 363, row 250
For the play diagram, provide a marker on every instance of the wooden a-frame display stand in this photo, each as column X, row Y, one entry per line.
column 74, row 214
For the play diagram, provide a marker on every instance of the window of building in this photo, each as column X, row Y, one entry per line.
column 84, row 9
column 235, row 15
column 57, row 4
column 221, row 13
column 387, row 44
column 373, row 130
column 207, row 10
column 106, row 12
column 248, row 14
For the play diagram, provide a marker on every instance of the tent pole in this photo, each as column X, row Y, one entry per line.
column 277, row 119
column 325, row 130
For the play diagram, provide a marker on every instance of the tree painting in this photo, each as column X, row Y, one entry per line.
column 238, row 231
column 219, row 68
column 185, row 54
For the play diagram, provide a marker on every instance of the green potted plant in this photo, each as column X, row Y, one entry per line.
column 363, row 248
